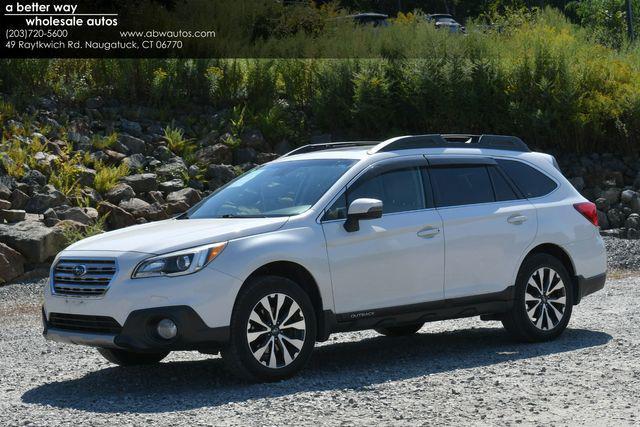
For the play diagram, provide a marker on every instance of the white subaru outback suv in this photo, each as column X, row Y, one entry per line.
column 338, row 237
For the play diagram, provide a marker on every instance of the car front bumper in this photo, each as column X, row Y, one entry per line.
column 200, row 304
column 139, row 331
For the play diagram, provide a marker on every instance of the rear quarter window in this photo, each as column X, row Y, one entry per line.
column 530, row 181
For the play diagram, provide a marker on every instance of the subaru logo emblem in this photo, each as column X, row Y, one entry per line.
column 80, row 270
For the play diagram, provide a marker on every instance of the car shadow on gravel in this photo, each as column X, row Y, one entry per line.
column 184, row 385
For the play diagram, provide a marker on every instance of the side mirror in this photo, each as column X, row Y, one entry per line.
column 362, row 209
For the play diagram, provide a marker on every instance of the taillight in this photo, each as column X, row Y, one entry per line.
column 589, row 211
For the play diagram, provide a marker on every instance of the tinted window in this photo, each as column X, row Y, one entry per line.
column 501, row 187
column 275, row 189
column 338, row 210
column 400, row 190
column 531, row 182
column 465, row 185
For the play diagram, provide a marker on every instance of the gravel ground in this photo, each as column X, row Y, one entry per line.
column 455, row 372
column 622, row 254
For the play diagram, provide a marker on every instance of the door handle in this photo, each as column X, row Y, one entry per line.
column 428, row 232
column 516, row 219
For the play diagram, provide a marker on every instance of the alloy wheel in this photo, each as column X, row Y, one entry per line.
column 545, row 298
column 276, row 330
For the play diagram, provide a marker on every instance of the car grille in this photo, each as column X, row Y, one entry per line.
column 77, row 322
column 83, row 277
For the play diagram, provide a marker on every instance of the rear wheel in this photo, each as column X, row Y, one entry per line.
column 129, row 358
column 399, row 331
column 273, row 330
column 543, row 300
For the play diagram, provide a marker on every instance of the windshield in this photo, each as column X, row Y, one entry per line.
column 276, row 189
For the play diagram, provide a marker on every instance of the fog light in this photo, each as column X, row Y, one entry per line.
column 167, row 329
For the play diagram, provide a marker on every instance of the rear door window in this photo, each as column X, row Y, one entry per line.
column 461, row 185
column 502, row 188
column 530, row 181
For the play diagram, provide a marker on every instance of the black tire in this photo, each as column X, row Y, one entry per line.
column 129, row 358
column 238, row 354
column 518, row 322
column 399, row 331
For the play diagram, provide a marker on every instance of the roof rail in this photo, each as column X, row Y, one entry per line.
column 496, row 142
column 309, row 148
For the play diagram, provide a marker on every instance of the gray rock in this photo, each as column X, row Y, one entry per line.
column 627, row 196
column 172, row 169
column 603, row 221
column 135, row 206
column 5, row 204
column 134, row 128
column 633, row 233
column 186, row 195
column 33, row 239
column 114, row 156
column 193, row 171
column 45, row 160
column 86, row 175
column 262, row 158
column 244, row 155
column 633, row 221
column 50, row 217
column 173, row 185
column 11, row 263
column 602, row 204
column 141, row 209
column 209, row 139
column 142, row 183
column 218, row 153
column 156, row 197
column 176, row 207
column 615, row 218
column 253, row 138
column 34, row 177
column 119, row 193
column 40, row 202
column 116, row 217
column 219, row 175
column 131, row 144
column 91, row 195
column 136, row 161
column 12, row 215
column 163, row 153
column 5, row 192
column 72, row 213
column 612, row 195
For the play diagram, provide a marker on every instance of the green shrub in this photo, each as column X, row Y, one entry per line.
column 108, row 176
column 72, row 233
column 104, row 142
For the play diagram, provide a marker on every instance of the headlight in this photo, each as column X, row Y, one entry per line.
column 178, row 263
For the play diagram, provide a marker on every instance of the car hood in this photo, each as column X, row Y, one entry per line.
column 175, row 234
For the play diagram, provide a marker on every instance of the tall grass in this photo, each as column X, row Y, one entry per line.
column 535, row 75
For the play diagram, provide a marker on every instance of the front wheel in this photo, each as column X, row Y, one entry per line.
column 273, row 330
column 543, row 300
column 129, row 358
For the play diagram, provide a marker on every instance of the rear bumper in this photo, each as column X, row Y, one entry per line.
column 139, row 332
column 587, row 286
